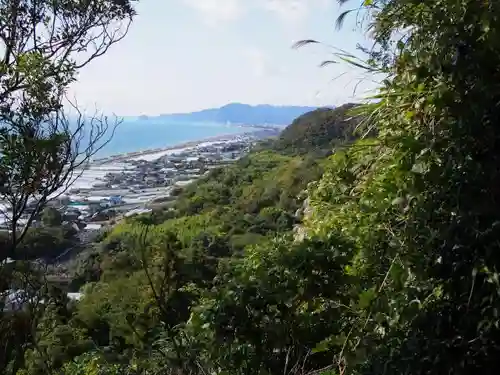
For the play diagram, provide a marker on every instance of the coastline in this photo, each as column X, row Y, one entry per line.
column 141, row 183
column 97, row 169
column 181, row 146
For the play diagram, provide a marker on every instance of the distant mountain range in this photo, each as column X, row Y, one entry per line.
column 238, row 113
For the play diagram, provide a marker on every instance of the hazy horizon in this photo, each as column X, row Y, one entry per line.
column 224, row 105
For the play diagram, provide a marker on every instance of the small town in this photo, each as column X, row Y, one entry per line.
column 124, row 186
column 138, row 184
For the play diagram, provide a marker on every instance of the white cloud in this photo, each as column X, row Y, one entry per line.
column 290, row 11
column 260, row 64
column 215, row 12
column 294, row 12
column 257, row 60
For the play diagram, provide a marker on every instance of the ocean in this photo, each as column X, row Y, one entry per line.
column 138, row 135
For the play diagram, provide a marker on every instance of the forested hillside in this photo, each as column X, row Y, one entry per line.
column 398, row 268
column 319, row 131
column 154, row 272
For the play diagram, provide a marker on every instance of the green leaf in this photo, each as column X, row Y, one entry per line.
column 365, row 298
column 398, row 201
column 322, row 346
column 409, row 115
column 419, row 168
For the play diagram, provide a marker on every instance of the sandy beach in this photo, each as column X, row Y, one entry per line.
column 148, row 154
column 97, row 169
column 139, row 184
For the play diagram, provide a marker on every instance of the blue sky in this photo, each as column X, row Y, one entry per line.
column 185, row 55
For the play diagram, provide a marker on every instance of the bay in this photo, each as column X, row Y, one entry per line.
column 139, row 135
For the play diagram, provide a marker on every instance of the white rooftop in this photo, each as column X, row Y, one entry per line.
column 138, row 211
column 92, row 226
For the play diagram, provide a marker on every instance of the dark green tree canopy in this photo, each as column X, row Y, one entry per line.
column 381, row 258
column 43, row 45
column 319, row 131
column 51, row 217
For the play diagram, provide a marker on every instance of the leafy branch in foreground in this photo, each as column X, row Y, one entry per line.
column 41, row 159
column 44, row 43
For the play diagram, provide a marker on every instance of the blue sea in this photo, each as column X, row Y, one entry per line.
column 137, row 135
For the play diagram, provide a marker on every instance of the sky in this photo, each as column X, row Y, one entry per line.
column 186, row 55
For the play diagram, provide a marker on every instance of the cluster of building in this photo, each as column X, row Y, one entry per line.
column 19, row 299
column 145, row 182
column 140, row 183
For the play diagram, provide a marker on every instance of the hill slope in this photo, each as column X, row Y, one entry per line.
column 318, row 130
column 228, row 240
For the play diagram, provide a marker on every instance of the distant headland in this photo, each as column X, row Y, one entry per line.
column 237, row 113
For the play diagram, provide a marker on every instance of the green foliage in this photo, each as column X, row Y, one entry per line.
column 275, row 305
column 319, row 131
column 45, row 242
column 86, row 268
column 58, row 341
column 94, row 364
column 397, row 271
column 148, row 274
column 45, row 44
column 51, row 217
column 115, row 311
column 257, row 196
column 418, row 201
column 225, row 186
